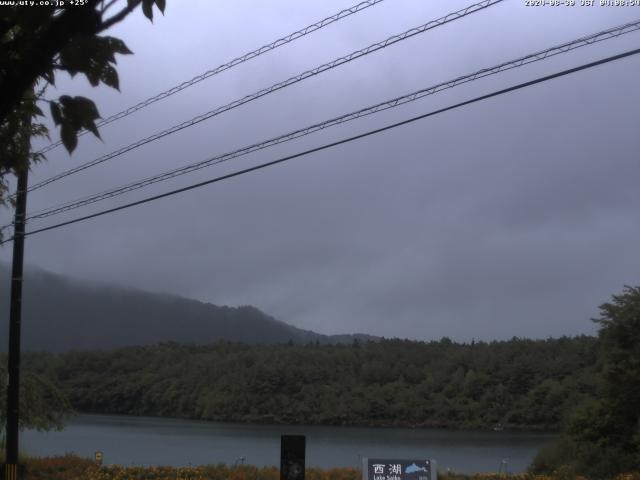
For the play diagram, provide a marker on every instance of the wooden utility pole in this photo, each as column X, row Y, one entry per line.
column 13, row 368
column 15, row 313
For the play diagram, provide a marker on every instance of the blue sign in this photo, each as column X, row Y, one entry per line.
column 398, row 469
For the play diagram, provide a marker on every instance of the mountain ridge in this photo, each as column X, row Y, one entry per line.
column 61, row 314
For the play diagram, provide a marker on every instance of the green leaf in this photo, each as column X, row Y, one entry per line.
column 161, row 5
column 69, row 137
column 65, row 100
column 92, row 56
column 78, row 113
column 39, row 130
column 49, row 77
column 110, row 77
column 147, row 9
column 55, row 113
column 86, row 108
column 91, row 126
column 118, row 46
column 93, row 75
column 75, row 56
column 69, row 114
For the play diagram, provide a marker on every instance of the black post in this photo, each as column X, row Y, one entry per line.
column 13, row 387
column 292, row 457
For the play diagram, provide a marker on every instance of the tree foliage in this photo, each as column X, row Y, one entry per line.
column 16, row 133
column 602, row 437
column 42, row 404
column 38, row 43
column 35, row 45
column 519, row 383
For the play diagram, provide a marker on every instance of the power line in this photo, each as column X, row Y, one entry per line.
column 521, row 61
column 275, row 87
column 226, row 66
column 340, row 142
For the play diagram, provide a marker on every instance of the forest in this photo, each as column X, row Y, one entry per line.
column 526, row 384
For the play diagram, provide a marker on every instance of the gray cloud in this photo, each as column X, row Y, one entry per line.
column 517, row 216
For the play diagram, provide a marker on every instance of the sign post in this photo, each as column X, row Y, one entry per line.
column 292, row 457
column 398, row 469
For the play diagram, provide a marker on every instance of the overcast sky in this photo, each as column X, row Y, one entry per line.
column 515, row 216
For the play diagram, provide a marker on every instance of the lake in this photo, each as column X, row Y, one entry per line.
column 159, row 441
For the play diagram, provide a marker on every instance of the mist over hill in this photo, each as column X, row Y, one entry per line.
column 61, row 314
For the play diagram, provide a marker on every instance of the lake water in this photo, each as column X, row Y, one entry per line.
column 158, row 441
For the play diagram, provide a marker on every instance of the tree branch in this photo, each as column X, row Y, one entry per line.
column 107, row 6
column 118, row 17
column 36, row 55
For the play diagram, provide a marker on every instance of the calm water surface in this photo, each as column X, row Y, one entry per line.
column 158, row 441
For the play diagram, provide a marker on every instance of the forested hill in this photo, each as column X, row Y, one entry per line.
column 61, row 314
column 518, row 383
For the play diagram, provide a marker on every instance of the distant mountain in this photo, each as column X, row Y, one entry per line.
column 61, row 314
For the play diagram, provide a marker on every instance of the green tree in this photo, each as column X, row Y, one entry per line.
column 35, row 45
column 42, row 405
column 330, row 384
column 620, row 407
column 602, row 437
column 620, row 338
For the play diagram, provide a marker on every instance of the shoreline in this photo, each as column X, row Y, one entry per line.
column 505, row 428
column 162, row 441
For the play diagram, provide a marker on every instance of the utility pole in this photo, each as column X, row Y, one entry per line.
column 13, row 367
